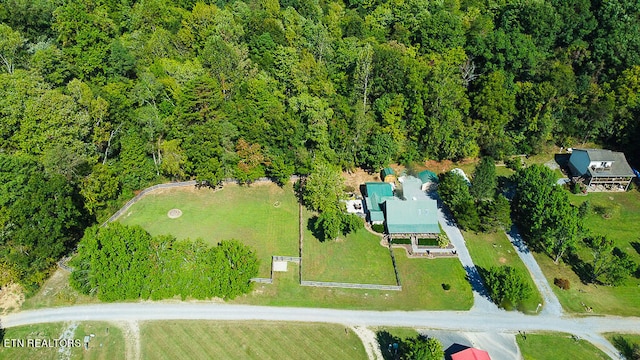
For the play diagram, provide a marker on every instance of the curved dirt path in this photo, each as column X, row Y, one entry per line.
column 371, row 345
column 131, row 332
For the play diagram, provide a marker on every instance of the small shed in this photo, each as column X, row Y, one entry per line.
column 428, row 178
column 388, row 175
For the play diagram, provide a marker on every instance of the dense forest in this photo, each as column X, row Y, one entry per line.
column 99, row 98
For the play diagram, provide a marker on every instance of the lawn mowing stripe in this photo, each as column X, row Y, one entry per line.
column 260, row 340
column 311, row 348
column 281, row 334
column 265, row 337
column 169, row 346
column 156, row 344
column 290, row 334
column 237, row 341
column 222, row 350
column 198, row 340
column 238, row 335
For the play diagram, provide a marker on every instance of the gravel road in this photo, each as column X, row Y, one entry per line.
column 551, row 303
column 499, row 322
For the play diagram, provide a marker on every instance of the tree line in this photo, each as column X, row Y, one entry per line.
column 110, row 96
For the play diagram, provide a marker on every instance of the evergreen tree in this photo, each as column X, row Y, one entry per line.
column 484, row 181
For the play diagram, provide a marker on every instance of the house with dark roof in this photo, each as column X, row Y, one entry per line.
column 601, row 169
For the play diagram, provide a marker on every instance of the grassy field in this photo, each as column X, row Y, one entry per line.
column 621, row 225
column 105, row 345
column 358, row 258
column 557, row 346
column 625, row 343
column 422, row 281
column 494, row 249
column 616, row 215
column 263, row 216
column 250, row 340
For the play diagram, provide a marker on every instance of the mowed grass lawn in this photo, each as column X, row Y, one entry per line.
column 105, row 345
column 248, row 340
column 249, row 215
column 422, row 281
column 356, row 258
column 557, row 346
column 622, row 226
column 262, row 216
column 494, row 249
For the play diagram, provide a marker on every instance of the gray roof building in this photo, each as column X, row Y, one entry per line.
column 607, row 168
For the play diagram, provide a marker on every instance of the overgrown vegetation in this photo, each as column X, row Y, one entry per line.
column 117, row 262
column 478, row 206
column 419, row 347
column 40, row 220
column 609, row 264
column 322, row 191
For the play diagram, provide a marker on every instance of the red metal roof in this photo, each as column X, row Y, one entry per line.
column 471, row 354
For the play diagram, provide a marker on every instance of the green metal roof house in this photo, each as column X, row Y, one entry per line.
column 377, row 194
column 412, row 188
column 412, row 217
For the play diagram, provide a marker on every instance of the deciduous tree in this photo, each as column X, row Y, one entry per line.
column 507, row 286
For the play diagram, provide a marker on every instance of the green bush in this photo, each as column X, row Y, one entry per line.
column 577, row 188
column 443, row 240
column 401, row 241
column 514, row 163
column 585, row 209
column 379, row 228
column 428, row 242
column 446, row 286
column 506, row 285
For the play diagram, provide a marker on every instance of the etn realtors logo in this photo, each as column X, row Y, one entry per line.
column 41, row 343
